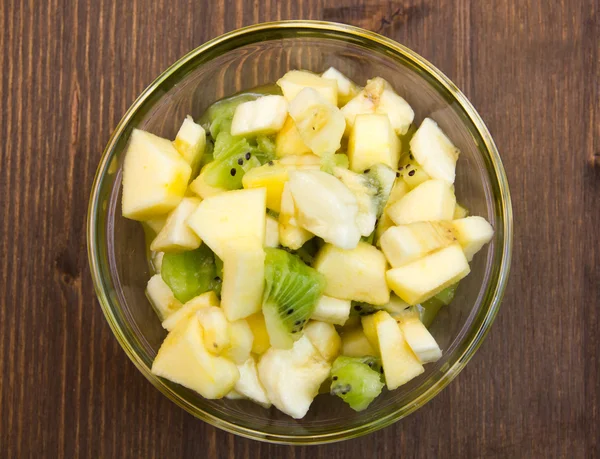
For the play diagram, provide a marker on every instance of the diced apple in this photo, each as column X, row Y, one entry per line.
column 347, row 89
column 422, row 343
column 290, row 234
column 261, row 342
column 325, row 338
column 190, row 142
column 434, row 151
column 189, row 309
column 271, row 232
column 288, row 140
column 203, row 189
column 356, row 344
column 294, row 81
column 264, row 115
column 399, row 112
column 373, row 141
column 240, row 341
column 472, row 234
column 176, row 235
column 357, row 274
column 369, row 326
column 229, row 216
column 249, row 386
column 432, row 200
column 243, row 277
column 320, row 123
column 292, row 377
column 405, row 243
column 155, row 177
column 399, row 308
column 216, row 329
column 161, row 297
column 325, row 207
column 419, row 280
column 332, row 310
column 183, row 359
column 399, row 362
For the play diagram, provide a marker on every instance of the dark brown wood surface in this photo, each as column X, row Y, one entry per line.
column 70, row 69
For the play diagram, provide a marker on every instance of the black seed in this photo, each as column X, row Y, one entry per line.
column 290, row 311
column 335, row 378
column 294, row 331
column 397, row 174
column 215, row 345
column 408, row 165
column 367, row 171
column 411, row 173
column 313, row 128
column 357, row 308
column 381, row 370
column 248, row 156
column 400, row 168
column 271, row 163
column 411, row 156
column 233, row 171
column 241, row 161
column 217, row 278
column 298, row 322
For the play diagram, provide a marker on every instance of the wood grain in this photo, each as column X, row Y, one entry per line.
column 71, row 68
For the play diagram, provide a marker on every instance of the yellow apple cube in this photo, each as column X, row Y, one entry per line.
column 373, row 141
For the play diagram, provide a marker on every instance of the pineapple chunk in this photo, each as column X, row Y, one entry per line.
column 357, row 274
column 373, row 141
column 292, row 377
column 288, row 140
column 332, row 310
column 356, row 344
column 434, row 151
column 347, row 89
column 472, row 234
column 249, row 386
column 294, row 81
column 405, row 243
column 290, row 234
column 243, row 278
column 216, row 329
column 155, row 177
column 420, row 280
column 161, row 297
column 432, row 200
column 240, row 342
column 321, row 124
column 420, row 340
column 399, row 362
column 325, row 207
column 271, row 232
column 189, row 309
column 264, row 115
column 190, row 142
column 325, row 338
column 228, row 216
column 203, row 189
column 183, row 359
column 257, row 325
column 176, row 235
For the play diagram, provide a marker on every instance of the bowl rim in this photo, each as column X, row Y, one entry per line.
column 505, row 256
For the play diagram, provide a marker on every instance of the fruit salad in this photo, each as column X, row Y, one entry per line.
column 302, row 239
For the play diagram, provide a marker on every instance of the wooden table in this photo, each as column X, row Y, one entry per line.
column 69, row 71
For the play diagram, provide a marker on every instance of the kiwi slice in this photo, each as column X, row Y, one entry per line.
column 356, row 380
column 232, row 159
column 188, row 274
column 292, row 290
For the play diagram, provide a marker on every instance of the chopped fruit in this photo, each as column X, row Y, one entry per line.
column 373, row 141
column 161, row 297
column 189, row 309
column 156, row 259
column 231, row 215
column 325, row 207
column 190, row 143
column 233, row 395
column 243, row 274
column 292, row 377
column 188, row 274
column 369, row 326
column 432, row 200
column 420, row 340
column 357, row 274
column 290, row 234
column 321, row 125
column 203, row 189
column 216, row 329
column 264, row 115
column 292, row 290
column 405, row 243
column 249, row 386
column 293, row 82
column 347, row 89
column 356, row 344
column 176, row 235
column 325, row 338
column 472, row 234
column 399, row 308
column 459, row 212
column 271, row 232
column 183, row 359
column 288, row 140
column 399, row 362
column 355, row 382
column 155, row 177
column 156, row 224
column 434, row 151
column 421, row 279
column 411, row 171
column 261, row 336
column 332, row 310
column 240, row 341
column 399, row 189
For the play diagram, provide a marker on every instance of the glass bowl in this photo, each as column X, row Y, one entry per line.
column 259, row 55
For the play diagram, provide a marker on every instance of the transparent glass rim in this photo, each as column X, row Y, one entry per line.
column 269, row 31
